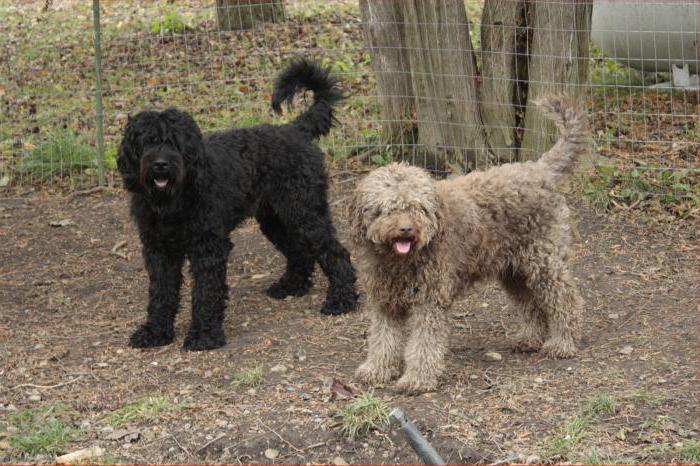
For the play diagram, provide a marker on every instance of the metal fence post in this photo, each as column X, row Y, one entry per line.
column 98, row 94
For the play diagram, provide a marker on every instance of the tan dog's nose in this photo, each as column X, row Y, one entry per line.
column 405, row 228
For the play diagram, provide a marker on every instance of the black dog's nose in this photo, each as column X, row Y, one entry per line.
column 160, row 165
column 405, row 228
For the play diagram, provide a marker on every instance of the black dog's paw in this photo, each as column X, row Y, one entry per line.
column 285, row 287
column 340, row 303
column 201, row 341
column 147, row 337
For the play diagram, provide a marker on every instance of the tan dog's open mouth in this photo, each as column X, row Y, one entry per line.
column 402, row 246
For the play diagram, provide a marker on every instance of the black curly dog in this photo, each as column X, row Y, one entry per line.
column 188, row 192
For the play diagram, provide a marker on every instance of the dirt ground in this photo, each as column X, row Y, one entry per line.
column 69, row 300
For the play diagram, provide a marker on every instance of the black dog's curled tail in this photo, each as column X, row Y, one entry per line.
column 303, row 74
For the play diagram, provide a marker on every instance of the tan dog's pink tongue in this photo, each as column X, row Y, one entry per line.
column 402, row 246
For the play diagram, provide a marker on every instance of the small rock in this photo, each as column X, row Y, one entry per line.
column 208, row 374
column 473, row 377
column 339, row 461
column 302, row 357
column 569, row 369
column 102, row 364
column 252, row 392
column 678, row 444
column 492, row 356
column 279, row 368
column 61, row 223
column 613, row 315
column 626, row 350
column 34, row 397
column 539, row 380
column 271, row 453
column 39, row 346
column 533, row 459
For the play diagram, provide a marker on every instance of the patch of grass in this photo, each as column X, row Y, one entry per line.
column 644, row 396
column 170, row 23
column 575, row 430
column 364, row 414
column 62, row 153
column 41, row 430
column 676, row 191
column 571, row 433
column 148, row 407
column 249, row 377
column 690, row 452
column 600, row 406
column 658, row 424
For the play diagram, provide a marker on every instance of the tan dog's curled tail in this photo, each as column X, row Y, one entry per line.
column 573, row 129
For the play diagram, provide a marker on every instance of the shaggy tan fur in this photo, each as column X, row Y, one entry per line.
column 422, row 243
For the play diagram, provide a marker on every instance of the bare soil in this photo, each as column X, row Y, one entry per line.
column 69, row 302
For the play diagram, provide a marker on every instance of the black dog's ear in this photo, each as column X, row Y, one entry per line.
column 128, row 156
column 185, row 133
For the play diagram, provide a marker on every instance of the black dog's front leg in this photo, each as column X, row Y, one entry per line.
column 165, row 275
column 208, row 259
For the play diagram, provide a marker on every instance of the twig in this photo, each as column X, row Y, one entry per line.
column 87, row 192
column 47, row 386
column 180, row 445
column 115, row 250
column 280, row 437
column 209, row 443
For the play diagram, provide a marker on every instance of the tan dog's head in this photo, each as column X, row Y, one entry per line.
column 397, row 209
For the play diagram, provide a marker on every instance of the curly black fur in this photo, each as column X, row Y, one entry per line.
column 188, row 192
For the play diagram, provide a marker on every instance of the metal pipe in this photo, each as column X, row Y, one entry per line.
column 419, row 444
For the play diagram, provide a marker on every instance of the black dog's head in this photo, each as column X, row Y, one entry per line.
column 159, row 153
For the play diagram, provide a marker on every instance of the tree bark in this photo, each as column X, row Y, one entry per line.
column 501, row 23
column 385, row 39
column 443, row 75
column 236, row 15
column 558, row 63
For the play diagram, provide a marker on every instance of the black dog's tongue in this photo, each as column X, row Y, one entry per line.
column 161, row 183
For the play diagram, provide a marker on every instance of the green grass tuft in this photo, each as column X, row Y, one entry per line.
column 603, row 405
column 63, row 153
column 170, row 23
column 43, row 430
column 690, row 452
column 364, row 414
column 148, row 407
column 249, row 377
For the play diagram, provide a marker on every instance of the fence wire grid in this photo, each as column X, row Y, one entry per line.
column 445, row 84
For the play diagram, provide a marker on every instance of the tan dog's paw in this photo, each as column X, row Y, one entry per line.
column 414, row 385
column 370, row 373
column 559, row 349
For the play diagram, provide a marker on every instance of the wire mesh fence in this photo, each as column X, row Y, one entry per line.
column 445, row 84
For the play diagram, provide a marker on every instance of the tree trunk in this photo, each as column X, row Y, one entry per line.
column 236, row 15
column 443, row 74
column 558, row 63
column 502, row 21
column 385, row 39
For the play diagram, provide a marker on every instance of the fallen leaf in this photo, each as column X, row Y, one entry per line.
column 271, row 453
column 61, row 223
column 626, row 350
column 4, row 444
column 129, row 435
column 341, row 390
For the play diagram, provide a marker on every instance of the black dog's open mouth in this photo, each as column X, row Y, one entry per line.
column 403, row 245
column 161, row 183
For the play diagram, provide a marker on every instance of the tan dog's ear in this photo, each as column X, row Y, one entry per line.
column 358, row 228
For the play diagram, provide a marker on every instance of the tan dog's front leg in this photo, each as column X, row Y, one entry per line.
column 384, row 341
column 425, row 350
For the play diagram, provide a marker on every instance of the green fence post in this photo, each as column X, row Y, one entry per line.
column 98, row 94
